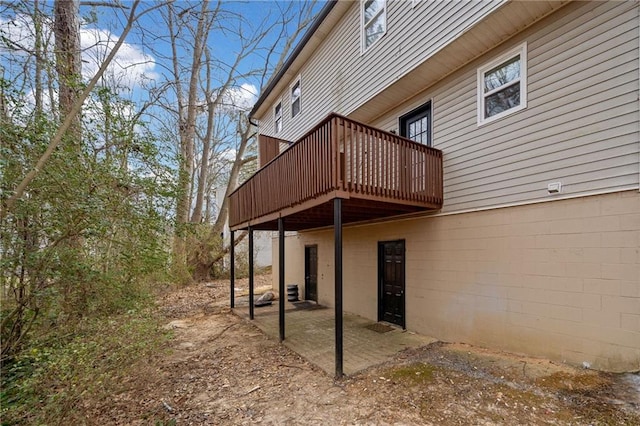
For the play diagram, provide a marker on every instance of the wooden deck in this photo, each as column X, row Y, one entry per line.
column 377, row 174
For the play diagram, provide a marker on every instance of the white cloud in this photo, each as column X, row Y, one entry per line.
column 129, row 68
column 243, row 97
column 228, row 154
column 19, row 31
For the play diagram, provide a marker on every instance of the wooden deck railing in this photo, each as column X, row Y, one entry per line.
column 342, row 155
column 269, row 148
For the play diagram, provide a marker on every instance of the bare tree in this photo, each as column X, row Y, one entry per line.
column 245, row 135
column 201, row 94
column 302, row 19
column 211, row 123
column 196, row 216
column 187, row 115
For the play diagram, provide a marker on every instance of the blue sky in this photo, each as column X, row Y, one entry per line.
column 140, row 60
column 224, row 46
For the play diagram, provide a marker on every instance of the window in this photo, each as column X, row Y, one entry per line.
column 295, row 99
column 416, row 125
column 502, row 86
column 278, row 117
column 374, row 21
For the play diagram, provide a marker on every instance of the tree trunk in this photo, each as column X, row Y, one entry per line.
column 4, row 113
column 39, row 60
column 203, row 177
column 245, row 129
column 68, row 62
column 187, row 132
column 68, row 65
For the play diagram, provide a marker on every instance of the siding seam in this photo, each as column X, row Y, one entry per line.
column 503, row 206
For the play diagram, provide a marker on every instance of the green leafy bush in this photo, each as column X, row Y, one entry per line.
column 81, row 253
column 48, row 383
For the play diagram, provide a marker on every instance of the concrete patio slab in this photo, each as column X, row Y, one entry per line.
column 311, row 333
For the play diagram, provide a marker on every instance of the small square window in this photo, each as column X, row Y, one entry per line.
column 374, row 21
column 295, row 99
column 502, row 86
column 278, row 117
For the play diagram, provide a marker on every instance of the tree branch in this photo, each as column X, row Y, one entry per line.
column 104, row 4
column 249, row 159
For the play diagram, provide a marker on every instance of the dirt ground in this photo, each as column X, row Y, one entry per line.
column 220, row 369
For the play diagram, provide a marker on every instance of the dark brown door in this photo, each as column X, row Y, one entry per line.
column 416, row 125
column 391, row 282
column 311, row 273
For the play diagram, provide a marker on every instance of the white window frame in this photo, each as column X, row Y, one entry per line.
column 297, row 82
column 519, row 50
column 277, row 118
column 363, row 28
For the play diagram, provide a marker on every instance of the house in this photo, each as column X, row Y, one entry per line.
column 513, row 220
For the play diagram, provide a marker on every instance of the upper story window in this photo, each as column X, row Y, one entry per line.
column 374, row 21
column 502, row 85
column 295, row 99
column 277, row 114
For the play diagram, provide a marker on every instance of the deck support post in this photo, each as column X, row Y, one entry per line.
column 232, row 271
column 251, row 303
column 281, row 293
column 337, row 226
